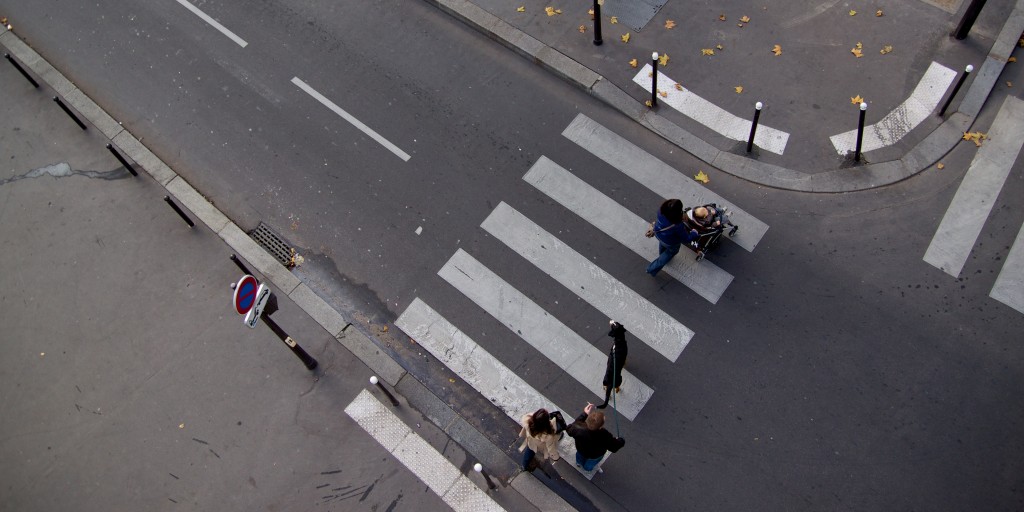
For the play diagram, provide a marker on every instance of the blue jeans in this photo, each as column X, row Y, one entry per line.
column 588, row 464
column 665, row 254
column 528, row 455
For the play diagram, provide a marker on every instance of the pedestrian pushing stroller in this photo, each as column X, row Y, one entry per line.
column 711, row 222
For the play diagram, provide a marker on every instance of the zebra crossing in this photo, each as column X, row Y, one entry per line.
column 541, row 329
column 972, row 204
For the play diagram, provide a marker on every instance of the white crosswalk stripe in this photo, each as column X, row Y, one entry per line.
column 897, row 123
column 432, row 468
column 1009, row 286
column 649, row 324
column 711, row 115
column 705, row 278
column 964, row 219
column 496, row 382
column 658, row 176
column 550, row 337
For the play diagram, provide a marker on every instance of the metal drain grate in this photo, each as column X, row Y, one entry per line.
column 274, row 244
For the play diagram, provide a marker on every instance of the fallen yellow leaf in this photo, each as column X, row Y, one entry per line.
column 663, row 59
column 591, row 13
column 701, row 177
column 720, row 47
column 181, row 426
column 679, row 87
column 860, row 46
column 550, row 11
column 648, row 103
column 886, row 49
column 707, row 51
column 663, row 94
column 558, row 11
column 853, row 13
column 1009, row 84
column 1012, row 59
column 739, row 89
column 625, row 37
column 632, row 63
column 522, row 8
column 670, row 24
column 583, row 29
column 977, row 137
column 857, row 100
column 721, row 17
column 878, row 13
column 745, row 19
column 614, row 19
column 940, row 166
column 856, row 52
column 777, row 50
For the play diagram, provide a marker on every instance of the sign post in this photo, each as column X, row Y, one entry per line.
column 250, row 299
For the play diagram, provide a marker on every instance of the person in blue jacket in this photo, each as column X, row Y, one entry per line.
column 671, row 233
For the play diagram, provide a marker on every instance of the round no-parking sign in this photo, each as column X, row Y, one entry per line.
column 245, row 294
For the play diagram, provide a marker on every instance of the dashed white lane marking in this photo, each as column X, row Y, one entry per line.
column 902, row 119
column 973, row 201
column 205, row 17
column 432, row 468
column 624, row 226
column 658, row 176
column 614, row 299
column 348, row 117
column 711, row 115
column 1009, row 286
column 480, row 369
column 560, row 344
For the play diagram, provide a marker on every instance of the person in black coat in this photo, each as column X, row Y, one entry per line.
column 616, row 361
column 592, row 440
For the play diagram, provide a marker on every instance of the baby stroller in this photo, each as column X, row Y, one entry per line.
column 710, row 221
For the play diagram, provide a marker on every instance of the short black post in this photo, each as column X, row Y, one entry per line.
column 970, row 16
column 296, row 349
column 479, row 468
column 22, row 70
column 654, row 79
column 188, row 220
column 753, row 125
column 122, row 160
column 69, row 112
column 597, row 22
column 956, row 88
column 376, row 382
column 860, row 131
column 240, row 265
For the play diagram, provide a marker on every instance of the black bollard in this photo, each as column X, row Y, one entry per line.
column 970, row 16
column 753, row 125
column 22, row 70
column 597, row 22
column 296, row 349
column 956, row 89
column 181, row 213
column 860, row 131
column 69, row 112
column 479, row 468
column 122, row 160
column 240, row 265
column 654, row 79
column 376, row 382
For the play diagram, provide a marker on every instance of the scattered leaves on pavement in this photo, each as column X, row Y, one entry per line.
column 739, row 89
column 853, row 13
column 522, row 8
column 625, row 37
column 701, row 177
column 614, row 19
column 552, row 11
column 582, row 29
column 745, row 19
column 977, row 137
column 669, row 24
column 856, row 100
column 777, row 50
column 886, row 49
column 707, row 51
column 633, row 63
column 940, row 166
column 663, row 59
column 857, row 51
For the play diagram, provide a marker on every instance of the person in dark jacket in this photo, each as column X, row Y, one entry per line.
column 616, row 361
column 592, row 440
column 671, row 232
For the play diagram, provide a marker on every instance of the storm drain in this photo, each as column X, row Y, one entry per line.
column 635, row 14
column 274, row 244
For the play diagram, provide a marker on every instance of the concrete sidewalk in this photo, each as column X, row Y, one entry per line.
column 806, row 89
column 132, row 384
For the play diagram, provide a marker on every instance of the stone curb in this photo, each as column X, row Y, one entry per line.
column 844, row 179
column 385, row 367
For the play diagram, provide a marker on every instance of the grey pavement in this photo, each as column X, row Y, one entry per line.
column 806, row 89
column 132, row 384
